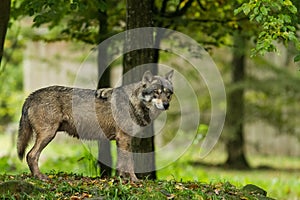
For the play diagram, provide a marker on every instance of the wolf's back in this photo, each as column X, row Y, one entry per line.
column 25, row 131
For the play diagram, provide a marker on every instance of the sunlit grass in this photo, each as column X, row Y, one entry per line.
column 70, row 156
column 282, row 182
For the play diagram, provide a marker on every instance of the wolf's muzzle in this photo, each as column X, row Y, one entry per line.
column 166, row 105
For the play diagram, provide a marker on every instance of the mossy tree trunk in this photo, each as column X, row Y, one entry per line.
column 139, row 14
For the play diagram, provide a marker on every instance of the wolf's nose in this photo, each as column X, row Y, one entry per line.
column 166, row 105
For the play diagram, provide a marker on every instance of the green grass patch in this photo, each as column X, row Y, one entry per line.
column 72, row 186
column 279, row 176
column 68, row 155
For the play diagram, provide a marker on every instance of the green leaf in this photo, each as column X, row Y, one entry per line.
column 202, row 129
column 102, row 6
column 264, row 10
column 38, row 20
column 237, row 11
column 258, row 18
column 256, row 11
column 297, row 58
column 293, row 9
column 291, row 28
column 73, row 6
column 246, row 9
column 31, row 12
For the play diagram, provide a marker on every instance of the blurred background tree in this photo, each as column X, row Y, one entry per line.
column 4, row 18
column 217, row 23
column 10, row 86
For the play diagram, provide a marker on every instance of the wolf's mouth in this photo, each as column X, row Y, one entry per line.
column 162, row 106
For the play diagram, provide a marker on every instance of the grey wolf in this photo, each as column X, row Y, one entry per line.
column 115, row 113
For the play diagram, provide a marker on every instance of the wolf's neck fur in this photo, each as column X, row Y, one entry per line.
column 140, row 113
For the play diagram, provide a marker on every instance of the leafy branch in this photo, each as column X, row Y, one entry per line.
column 278, row 21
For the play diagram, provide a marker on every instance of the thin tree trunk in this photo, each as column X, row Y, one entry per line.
column 4, row 18
column 235, row 144
column 139, row 14
column 104, row 147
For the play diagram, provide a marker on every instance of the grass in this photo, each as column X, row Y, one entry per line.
column 279, row 183
column 185, row 178
column 72, row 186
column 279, row 176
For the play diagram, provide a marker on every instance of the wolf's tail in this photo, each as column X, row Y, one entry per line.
column 25, row 132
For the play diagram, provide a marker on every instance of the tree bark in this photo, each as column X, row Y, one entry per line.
column 139, row 14
column 4, row 18
column 104, row 147
column 235, row 144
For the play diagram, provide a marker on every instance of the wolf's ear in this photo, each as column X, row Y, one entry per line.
column 147, row 77
column 169, row 75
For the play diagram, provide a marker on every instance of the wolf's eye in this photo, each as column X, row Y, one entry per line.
column 169, row 95
column 166, row 90
column 156, row 93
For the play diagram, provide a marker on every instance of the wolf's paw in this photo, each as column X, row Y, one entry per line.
column 104, row 93
column 128, row 175
column 133, row 178
column 42, row 177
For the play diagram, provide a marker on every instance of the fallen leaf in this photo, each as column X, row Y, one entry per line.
column 74, row 198
column 172, row 196
column 217, row 191
column 179, row 186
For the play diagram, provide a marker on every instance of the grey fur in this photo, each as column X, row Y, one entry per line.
column 115, row 113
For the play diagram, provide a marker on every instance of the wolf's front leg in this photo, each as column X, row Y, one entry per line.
column 125, row 164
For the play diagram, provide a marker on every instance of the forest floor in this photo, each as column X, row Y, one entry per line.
column 75, row 187
column 188, row 177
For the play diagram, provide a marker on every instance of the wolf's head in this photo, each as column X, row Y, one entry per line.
column 157, row 90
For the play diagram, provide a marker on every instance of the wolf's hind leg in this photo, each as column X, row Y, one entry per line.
column 42, row 140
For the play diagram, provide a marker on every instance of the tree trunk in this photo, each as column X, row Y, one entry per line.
column 4, row 18
column 104, row 147
column 235, row 144
column 139, row 14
